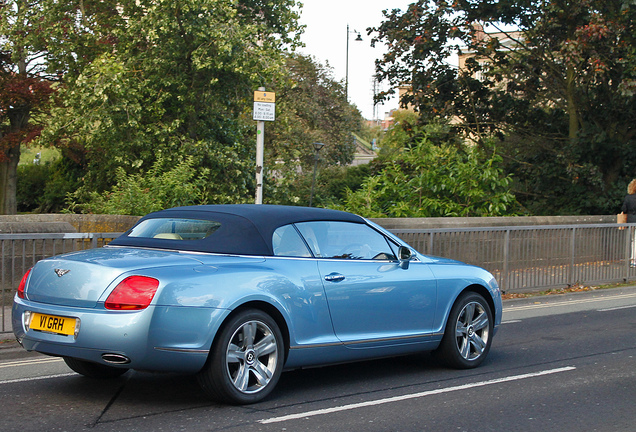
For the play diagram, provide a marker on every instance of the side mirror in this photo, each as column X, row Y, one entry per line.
column 404, row 256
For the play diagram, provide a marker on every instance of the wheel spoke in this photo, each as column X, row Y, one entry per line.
column 262, row 373
column 235, row 354
column 242, row 378
column 460, row 331
column 465, row 348
column 266, row 346
column 469, row 313
column 249, row 333
column 481, row 322
column 478, row 343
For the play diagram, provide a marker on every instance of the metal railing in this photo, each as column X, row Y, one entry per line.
column 521, row 258
column 21, row 251
column 528, row 258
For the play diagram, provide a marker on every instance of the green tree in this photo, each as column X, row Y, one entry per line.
column 141, row 193
column 561, row 92
column 43, row 188
column 22, row 92
column 40, row 42
column 23, row 97
column 311, row 106
column 176, row 82
column 428, row 180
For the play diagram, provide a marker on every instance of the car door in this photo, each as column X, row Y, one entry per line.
column 372, row 300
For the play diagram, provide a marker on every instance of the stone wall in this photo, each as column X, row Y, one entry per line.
column 46, row 223
column 481, row 222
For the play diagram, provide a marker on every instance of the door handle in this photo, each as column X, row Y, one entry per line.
column 334, row 277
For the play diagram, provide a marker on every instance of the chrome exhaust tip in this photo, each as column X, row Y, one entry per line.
column 118, row 359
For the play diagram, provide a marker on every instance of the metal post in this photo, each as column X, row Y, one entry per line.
column 260, row 148
column 359, row 38
column 628, row 236
column 573, row 276
column 313, row 180
column 505, row 278
column 346, row 71
column 317, row 146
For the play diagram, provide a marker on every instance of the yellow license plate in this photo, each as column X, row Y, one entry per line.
column 53, row 324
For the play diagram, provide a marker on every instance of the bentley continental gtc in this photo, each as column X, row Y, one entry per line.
column 237, row 293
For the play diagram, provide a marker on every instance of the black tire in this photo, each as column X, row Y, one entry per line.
column 246, row 360
column 468, row 335
column 93, row 370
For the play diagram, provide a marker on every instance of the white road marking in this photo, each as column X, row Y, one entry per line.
column 411, row 396
column 616, row 308
column 511, row 321
column 30, row 362
column 566, row 302
column 19, row 380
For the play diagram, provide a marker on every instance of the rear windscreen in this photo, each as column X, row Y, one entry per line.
column 174, row 229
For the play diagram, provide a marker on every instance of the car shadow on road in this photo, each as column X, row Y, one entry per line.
column 329, row 382
column 139, row 394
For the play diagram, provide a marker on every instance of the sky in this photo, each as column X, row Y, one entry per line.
column 325, row 38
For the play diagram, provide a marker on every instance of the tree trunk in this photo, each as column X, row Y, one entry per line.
column 8, row 181
column 572, row 106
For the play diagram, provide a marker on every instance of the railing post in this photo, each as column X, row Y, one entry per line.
column 4, row 302
column 505, row 277
column 629, row 234
column 572, row 276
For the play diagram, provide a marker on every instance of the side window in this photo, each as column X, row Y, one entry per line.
column 287, row 242
column 345, row 240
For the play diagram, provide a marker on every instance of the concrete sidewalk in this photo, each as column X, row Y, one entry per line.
column 6, row 314
column 9, row 347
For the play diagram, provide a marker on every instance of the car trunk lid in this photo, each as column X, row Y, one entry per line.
column 80, row 278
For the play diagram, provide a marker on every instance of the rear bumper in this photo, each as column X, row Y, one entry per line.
column 166, row 339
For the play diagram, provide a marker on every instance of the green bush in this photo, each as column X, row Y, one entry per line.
column 32, row 180
column 43, row 188
column 142, row 193
column 427, row 180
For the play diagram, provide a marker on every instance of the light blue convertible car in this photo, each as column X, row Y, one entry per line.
column 237, row 293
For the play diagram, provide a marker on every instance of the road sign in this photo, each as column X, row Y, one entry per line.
column 261, row 96
column 264, row 111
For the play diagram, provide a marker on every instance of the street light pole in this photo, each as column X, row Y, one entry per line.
column 358, row 39
column 317, row 147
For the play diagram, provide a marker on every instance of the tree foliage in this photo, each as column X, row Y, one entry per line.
column 428, row 180
column 311, row 106
column 141, row 193
column 24, row 92
column 560, row 93
column 43, row 188
column 175, row 82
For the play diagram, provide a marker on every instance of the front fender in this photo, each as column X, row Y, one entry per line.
column 454, row 279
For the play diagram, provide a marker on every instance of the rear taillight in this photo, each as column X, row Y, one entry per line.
column 133, row 293
column 22, row 285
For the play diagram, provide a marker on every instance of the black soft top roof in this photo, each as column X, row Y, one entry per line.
column 246, row 229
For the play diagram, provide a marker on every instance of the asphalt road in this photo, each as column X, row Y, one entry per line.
column 559, row 363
